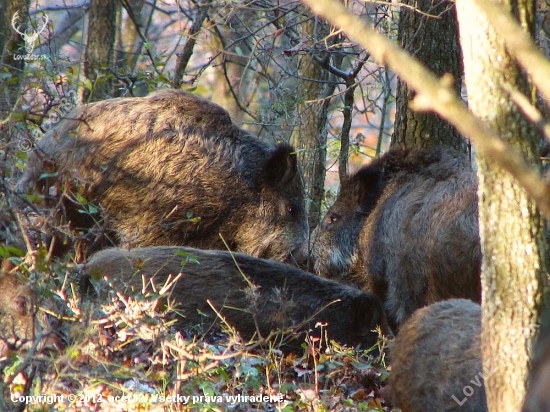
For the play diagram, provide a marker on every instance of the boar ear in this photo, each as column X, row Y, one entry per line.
column 368, row 185
column 282, row 166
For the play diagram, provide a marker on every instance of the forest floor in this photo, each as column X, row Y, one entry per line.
column 124, row 354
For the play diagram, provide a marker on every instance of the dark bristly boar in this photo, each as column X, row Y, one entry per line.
column 286, row 296
column 405, row 227
column 436, row 360
column 172, row 169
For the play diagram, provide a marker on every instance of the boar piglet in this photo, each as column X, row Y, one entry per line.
column 436, row 360
column 170, row 169
column 405, row 227
column 285, row 296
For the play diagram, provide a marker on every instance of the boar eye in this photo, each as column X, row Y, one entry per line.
column 332, row 218
column 291, row 209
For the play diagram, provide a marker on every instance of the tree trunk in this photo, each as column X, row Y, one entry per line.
column 13, row 44
column 187, row 50
column 511, row 229
column 5, row 27
column 100, row 50
column 434, row 41
column 310, row 135
column 232, row 78
column 131, row 43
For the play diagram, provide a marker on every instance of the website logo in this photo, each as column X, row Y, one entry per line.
column 30, row 36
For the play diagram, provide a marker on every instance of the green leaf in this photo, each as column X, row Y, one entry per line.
column 18, row 116
column 287, row 387
column 7, row 251
column 221, row 371
column 81, row 199
column 87, row 84
column 207, row 389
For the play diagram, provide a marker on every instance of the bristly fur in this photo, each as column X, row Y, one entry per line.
column 436, row 354
column 286, row 296
column 405, row 227
column 172, row 169
column 21, row 322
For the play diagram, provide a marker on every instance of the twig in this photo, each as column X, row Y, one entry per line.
column 528, row 110
column 187, row 52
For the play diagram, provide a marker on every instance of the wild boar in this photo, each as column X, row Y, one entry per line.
column 537, row 398
column 21, row 321
column 405, row 227
column 436, row 360
column 170, row 169
column 253, row 295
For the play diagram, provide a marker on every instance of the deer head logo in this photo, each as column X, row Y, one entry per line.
column 29, row 36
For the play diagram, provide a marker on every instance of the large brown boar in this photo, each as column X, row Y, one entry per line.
column 172, row 169
column 436, row 360
column 405, row 227
column 285, row 297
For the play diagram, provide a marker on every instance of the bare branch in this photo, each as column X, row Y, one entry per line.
column 530, row 111
column 141, row 34
column 185, row 55
column 437, row 95
column 349, row 102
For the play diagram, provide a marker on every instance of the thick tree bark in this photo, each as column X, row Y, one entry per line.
column 429, row 31
column 511, row 228
column 100, row 49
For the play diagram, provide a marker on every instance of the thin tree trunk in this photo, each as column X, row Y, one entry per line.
column 512, row 235
column 129, row 36
column 187, row 50
column 432, row 39
column 13, row 44
column 310, row 136
column 232, row 79
column 100, row 49
column 5, row 27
